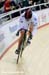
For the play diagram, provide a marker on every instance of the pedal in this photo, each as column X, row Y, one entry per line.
column 17, row 51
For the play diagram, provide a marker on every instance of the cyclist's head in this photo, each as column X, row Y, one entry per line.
column 28, row 14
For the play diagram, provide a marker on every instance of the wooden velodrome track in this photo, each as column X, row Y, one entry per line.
column 35, row 60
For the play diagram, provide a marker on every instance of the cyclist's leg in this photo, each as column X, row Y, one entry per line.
column 29, row 33
column 24, row 39
column 22, row 31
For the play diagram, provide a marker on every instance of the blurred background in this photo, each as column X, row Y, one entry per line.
column 8, row 5
column 12, row 5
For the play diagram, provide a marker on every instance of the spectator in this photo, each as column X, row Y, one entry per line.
column 1, row 3
column 35, row 2
column 16, row 13
column 20, row 5
column 25, row 3
column 48, row 3
column 9, row 5
column 30, row 2
column 40, row 2
column 43, row 6
column 1, row 6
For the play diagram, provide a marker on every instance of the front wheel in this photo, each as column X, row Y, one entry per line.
column 17, row 58
column 21, row 52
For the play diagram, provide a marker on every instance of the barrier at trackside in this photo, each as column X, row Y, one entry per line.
column 8, row 31
column 43, row 16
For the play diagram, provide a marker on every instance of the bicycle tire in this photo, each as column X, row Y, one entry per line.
column 21, row 48
column 17, row 58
